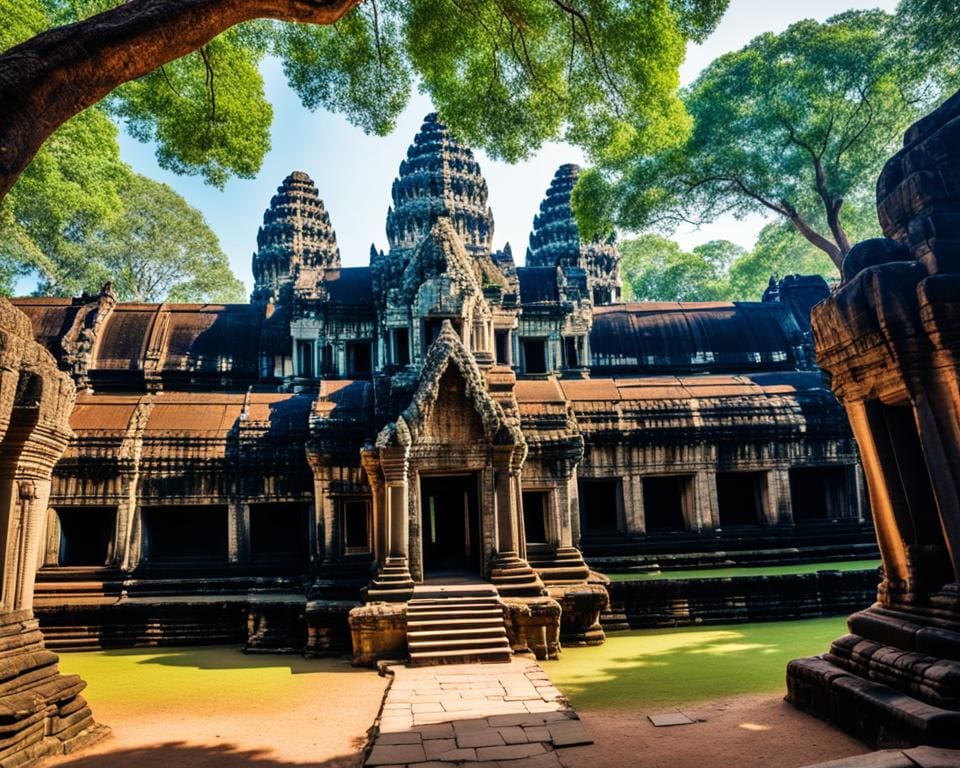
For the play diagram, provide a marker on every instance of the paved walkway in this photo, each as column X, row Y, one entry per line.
column 483, row 715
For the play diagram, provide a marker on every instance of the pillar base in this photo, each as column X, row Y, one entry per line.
column 393, row 584
column 560, row 565
column 894, row 681
column 513, row 576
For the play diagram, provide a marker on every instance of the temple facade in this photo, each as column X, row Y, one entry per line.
column 355, row 433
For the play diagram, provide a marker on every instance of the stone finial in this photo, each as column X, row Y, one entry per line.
column 296, row 233
column 439, row 176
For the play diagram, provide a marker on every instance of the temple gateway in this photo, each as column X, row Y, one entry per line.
column 410, row 443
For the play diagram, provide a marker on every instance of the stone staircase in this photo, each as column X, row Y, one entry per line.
column 456, row 624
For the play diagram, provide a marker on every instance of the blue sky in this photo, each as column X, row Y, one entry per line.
column 354, row 172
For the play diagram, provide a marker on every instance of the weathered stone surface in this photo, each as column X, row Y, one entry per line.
column 890, row 339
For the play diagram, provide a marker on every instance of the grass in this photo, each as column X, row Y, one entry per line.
column 634, row 670
column 766, row 570
column 201, row 679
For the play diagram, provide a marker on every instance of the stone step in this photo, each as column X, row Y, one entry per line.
column 492, row 631
column 494, row 615
column 468, row 656
column 497, row 643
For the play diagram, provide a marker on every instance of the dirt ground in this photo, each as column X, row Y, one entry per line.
column 746, row 731
column 317, row 716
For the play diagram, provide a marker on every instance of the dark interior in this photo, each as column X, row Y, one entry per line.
column 535, row 516
column 598, row 505
column 193, row 533
column 450, row 524
column 534, row 356
column 663, row 503
column 738, row 496
column 278, row 532
column 818, row 493
column 86, row 534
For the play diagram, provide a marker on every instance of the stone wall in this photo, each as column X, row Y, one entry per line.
column 41, row 711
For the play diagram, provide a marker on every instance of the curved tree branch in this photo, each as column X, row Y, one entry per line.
column 50, row 78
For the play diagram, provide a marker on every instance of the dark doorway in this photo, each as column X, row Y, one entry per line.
column 600, row 505
column 278, row 533
column 739, row 497
column 819, row 493
column 534, row 356
column 663, row 503
column 185, row 534
column 359, row 358
column 86, row 534
column 535, row 516
column 450, row 524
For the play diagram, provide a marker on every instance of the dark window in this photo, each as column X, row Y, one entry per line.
column 401, row 346
column 359, row 358
column 534, row 356
column 571, row 351
column 739, row 497
column 599, row 505
column 502, row 342
column 194, row 533
column 535, row 516
column 819, row 493
column 278, row 532
column 663, row 502
column 326, row 359
column 432, row 327
column 305, row 355
column 356, row 525
column 86, row 534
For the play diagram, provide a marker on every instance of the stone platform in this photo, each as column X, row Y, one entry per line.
column 484, row 715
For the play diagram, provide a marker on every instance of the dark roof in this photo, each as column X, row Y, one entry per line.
column 537, row 284
column 676, row 337
column 50, row 318
column 349, row 285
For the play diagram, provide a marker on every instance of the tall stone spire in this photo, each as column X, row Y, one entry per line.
column 555, row 241
column 439, row 177
column 296, row 233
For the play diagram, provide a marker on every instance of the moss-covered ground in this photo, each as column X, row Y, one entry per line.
column 673, row 666
column 770, row 570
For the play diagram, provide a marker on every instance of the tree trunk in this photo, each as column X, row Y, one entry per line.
column 815, row 238
column 48, row 79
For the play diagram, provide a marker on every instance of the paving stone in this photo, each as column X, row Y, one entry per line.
column 427, row 706
column 510, row 751
column 670, row 718
column 568, row 734
column 406, row 737
column 436, row 747
column 487, row 738
column 437, row 731
column 536, row 733
column 389, row 754
column 517, row 735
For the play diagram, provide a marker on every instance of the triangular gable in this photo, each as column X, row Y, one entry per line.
column 445, row 351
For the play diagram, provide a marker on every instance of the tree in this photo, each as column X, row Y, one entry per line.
column 794, row 124
column 137, row 252
column 657, row 269
column 505, row 74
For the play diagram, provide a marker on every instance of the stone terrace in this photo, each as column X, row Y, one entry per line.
column 485, row 715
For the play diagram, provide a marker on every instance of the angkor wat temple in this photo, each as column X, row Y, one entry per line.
column 258, row 471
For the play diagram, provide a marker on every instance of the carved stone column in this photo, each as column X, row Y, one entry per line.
column 509, row 572
column 394, row 583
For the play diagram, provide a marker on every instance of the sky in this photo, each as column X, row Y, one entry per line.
column 354, row 172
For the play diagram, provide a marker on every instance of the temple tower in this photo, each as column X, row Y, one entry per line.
column 555, row 241
column 439, row 177
column 296, row 233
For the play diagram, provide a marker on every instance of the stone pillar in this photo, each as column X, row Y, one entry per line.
column 393, row 583
column 510, row 573
column 890, row 340
column 705, row 493
column 779, row 502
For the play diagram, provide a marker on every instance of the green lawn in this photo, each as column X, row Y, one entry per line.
column 767, row 570
column 672, row 666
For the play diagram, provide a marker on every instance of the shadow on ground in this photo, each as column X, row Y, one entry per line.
column 213, row 657
column 182, row 755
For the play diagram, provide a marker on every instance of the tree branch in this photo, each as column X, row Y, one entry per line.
column 50, row 78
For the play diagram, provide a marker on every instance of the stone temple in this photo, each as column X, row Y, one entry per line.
column 360, row 451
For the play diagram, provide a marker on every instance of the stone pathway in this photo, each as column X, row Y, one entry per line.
column 479, row 715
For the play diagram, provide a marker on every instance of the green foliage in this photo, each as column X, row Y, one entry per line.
column 789, row 120
column 657, row 269
column 931, row 30
column 780, row 250
column 146, row 263
column 207, row 112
